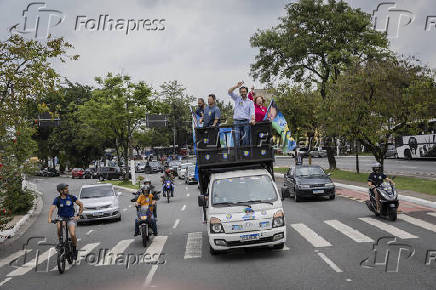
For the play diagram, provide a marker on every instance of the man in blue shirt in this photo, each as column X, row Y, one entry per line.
column 65, row 205
column 243, row 114
column 212, row 114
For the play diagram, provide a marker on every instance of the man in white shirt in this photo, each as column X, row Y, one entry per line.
column 243, row 115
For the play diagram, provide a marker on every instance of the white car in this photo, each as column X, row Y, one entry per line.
column 100, row 202
column 181, row 170
column 243, row 209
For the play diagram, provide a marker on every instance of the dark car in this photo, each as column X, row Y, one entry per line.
column 307, row 181
column 108, row 173
column 48, row 172
column 90, row 173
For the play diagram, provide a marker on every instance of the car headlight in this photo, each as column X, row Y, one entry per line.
column 304, row 186
column 216, row 226
column 329, row 184
column 278, row 219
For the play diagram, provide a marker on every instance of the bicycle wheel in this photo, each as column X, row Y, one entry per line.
column 61, row 260
column 69, row 253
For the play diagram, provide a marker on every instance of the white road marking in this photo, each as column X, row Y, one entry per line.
column 389, row 228
column 110, row 257
column 89, row 232
column 183, row 207
column 418, row 222
column 5, row 281
column 353, row 234
column 33, row 263
column 124, row 209
column 316, row 240
column 130, row 205
column 176, row 223
column 150, row 275
column 193, row 245
column 154, row 250
column 330, row 263
column 187, row 194
column 432, row 213
column 13, row 257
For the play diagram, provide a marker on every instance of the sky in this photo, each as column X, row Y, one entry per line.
column 203, row 44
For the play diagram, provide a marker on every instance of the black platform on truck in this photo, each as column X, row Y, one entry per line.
column 216, row 153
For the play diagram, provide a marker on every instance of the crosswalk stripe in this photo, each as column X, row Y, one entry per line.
column 418, row 222
column 353, row 234
column 154, row 250
column 176, row 223
column 33, row 263
column 389, row 228
column 330, row 263
column 432, row 213
column 312, row 237
column 111, row 256
column 193, row 245
column 5, row 281
column 9, row 259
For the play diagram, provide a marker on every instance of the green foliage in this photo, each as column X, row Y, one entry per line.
column 371, row 102
column 226, row 111
column 314, row 42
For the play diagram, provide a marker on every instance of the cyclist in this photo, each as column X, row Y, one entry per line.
column 145, row 202
column 65, row 205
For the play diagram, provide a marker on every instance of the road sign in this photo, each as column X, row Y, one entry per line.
column 156, row 121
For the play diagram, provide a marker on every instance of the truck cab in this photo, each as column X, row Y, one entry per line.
column 240, row 199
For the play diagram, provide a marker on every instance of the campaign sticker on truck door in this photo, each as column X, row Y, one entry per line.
column 228, row 216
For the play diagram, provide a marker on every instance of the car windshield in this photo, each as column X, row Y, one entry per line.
column 247, row 189
column 154, row 163
column 96, row 191
column 309, row 171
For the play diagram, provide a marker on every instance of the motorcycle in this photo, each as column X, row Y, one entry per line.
column 145, row 228
column 168, row 189
column 388, row 201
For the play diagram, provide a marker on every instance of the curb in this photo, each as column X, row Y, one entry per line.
column 125, row 188
column 35, row 210
column 407, row 198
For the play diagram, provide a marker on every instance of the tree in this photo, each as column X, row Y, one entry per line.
column 374, row 101
column 176, row 103
column 314, row 43
column 226, row 111
column 26, row 74
column 117, row 109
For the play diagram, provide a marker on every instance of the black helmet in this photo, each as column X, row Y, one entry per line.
column 376, row 166
column 61, row 186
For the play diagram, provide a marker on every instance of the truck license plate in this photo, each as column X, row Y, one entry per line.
column 318, row 191
column 249, row 237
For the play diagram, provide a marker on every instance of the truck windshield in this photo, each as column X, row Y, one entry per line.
column 247, row 189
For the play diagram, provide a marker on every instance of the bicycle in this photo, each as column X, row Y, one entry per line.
column 64, row 248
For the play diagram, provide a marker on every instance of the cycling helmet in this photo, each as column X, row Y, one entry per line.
column 61, row 186
column 376, row 166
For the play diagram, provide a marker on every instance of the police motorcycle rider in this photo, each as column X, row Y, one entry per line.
column 65, row 205
column 168, row 176
column 145, row 202
column 376, row 178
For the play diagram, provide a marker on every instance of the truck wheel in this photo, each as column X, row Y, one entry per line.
column 296, row 197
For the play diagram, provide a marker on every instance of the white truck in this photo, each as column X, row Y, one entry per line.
column 241, row 203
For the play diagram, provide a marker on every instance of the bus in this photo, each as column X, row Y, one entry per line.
column 422, row 145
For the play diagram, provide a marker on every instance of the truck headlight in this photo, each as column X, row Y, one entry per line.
column 216, row 226
column 278, row 219
column 329, row 184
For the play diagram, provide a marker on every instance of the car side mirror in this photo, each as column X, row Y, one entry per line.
column 202, row 201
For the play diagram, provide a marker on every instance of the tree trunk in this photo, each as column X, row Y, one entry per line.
column 331, row 153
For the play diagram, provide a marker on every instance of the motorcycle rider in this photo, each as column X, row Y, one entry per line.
column 376, row 178
column 147, row 182
column 65, row 205
column 145, row 202
column 168, row 176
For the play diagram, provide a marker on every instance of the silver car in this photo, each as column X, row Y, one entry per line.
column 181, row 170
column 100, row 202
column 190, row 175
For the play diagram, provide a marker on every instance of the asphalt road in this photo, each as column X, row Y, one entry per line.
column 418, row 168
column 327, row 242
